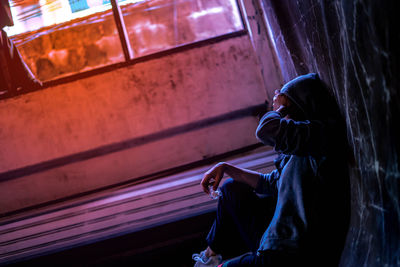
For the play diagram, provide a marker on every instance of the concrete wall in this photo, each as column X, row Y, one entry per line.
column 129, row 122
column 354, row 46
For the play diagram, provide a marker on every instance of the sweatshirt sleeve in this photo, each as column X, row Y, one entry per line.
column 267, row 183
column 292, row 137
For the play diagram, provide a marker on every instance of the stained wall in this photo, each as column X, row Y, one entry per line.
column 130, row 122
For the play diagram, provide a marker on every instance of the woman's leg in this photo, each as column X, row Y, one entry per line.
column 242, row 217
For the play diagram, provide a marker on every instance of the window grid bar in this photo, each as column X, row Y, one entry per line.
column 123, row 35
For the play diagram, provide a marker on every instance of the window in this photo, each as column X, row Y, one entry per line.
column 59, row 38
column 157, row 25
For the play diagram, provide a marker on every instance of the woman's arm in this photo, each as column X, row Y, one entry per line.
column 294, row 137
column 214, row 176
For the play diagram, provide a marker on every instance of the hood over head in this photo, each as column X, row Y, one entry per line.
column 310, row 97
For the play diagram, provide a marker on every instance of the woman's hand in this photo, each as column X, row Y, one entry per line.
column 213, row 177
column 280, row 102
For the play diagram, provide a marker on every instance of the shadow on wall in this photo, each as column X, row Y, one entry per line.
column 353, row 46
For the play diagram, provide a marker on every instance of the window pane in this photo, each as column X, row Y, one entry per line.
column 62, row 37
column 157, row 25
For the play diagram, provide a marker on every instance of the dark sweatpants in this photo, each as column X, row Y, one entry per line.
column 242, row 218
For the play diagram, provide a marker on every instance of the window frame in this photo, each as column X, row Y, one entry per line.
column 127, row 51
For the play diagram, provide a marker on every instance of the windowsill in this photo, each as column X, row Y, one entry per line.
column 115, row 212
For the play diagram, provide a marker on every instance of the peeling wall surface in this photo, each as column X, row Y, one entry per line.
column 353, row 45
column 129, row 122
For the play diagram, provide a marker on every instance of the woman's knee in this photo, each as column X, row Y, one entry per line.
column 232, row 187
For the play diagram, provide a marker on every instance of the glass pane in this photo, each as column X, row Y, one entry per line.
column 57, row 38
column 156, row 25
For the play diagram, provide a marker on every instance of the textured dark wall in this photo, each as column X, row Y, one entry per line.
column 353, row 46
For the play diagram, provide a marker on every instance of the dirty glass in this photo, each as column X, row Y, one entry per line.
column 156, row 25
column 57, row 38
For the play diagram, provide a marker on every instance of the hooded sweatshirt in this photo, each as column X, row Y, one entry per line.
column 310, row 182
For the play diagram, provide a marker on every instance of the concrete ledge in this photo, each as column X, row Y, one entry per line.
column 113, row 213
